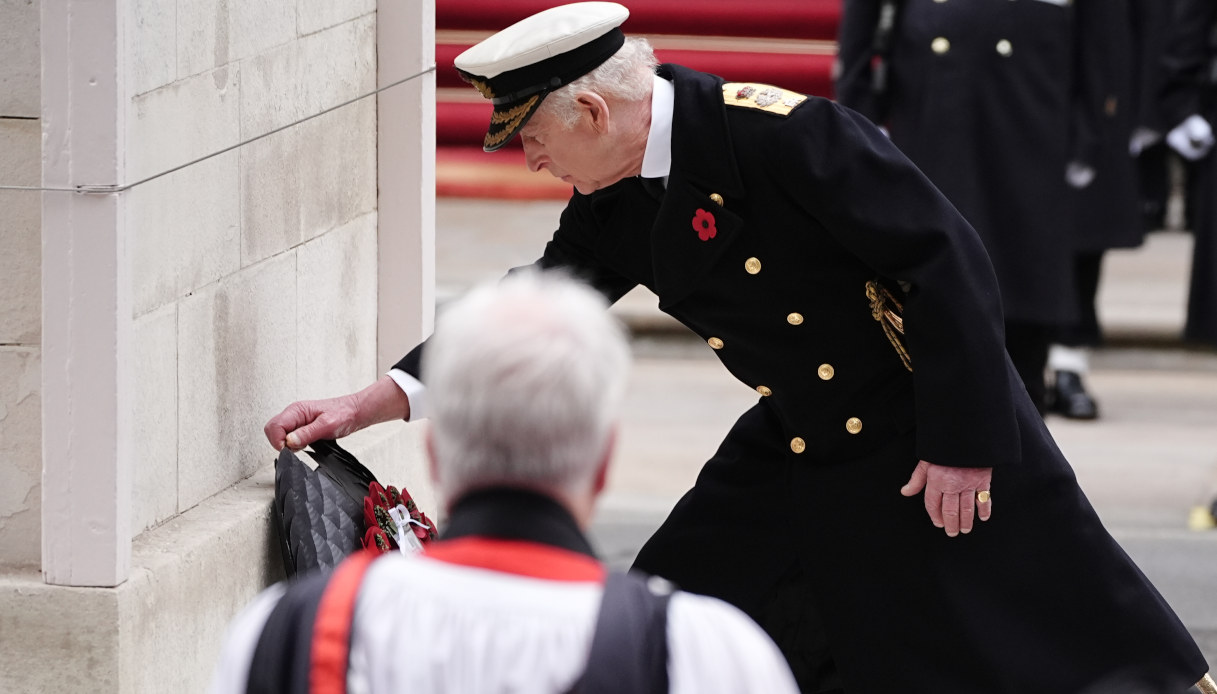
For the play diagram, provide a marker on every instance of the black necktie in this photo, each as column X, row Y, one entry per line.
column 653, row 186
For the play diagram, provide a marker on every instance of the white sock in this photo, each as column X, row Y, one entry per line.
column 1075, row 359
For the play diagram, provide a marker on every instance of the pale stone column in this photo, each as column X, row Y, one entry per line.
column 406, row 172
column 86, row 299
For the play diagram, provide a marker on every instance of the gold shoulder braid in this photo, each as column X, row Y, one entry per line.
column 887, row 309
column 762, row 97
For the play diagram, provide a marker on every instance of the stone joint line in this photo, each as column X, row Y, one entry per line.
column 113, row 188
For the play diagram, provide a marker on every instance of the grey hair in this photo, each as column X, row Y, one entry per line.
column 625, row 76
column 525, row 380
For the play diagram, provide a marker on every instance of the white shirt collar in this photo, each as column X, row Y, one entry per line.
column 657, row 159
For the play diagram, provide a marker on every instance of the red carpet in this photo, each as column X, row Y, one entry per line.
column 790, row 43
column 469, row 172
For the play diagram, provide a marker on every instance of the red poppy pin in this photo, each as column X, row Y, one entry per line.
column 703, row 224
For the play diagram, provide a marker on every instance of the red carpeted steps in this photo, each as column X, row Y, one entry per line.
column 790, row 43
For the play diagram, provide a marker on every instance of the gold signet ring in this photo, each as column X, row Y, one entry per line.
column 983, row 496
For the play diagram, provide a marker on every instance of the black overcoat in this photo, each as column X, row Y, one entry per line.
column 1108, row 210
column 779, row 209
column 985, row 96
column 1191, row 88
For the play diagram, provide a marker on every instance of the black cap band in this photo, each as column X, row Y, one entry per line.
column 552, row 73
column 516, row 94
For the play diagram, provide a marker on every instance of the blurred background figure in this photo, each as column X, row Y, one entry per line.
column 996, row 102
column 1152, row 24
column 1123, row 96
column 1189, row 103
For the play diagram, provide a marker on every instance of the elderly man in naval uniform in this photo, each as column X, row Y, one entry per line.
column 827, row 273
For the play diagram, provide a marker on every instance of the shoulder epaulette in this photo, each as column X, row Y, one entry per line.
column 762, row 97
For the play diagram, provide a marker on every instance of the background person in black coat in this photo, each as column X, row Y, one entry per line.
column 1190, row 109
column 995, row 101
column 1128, row 44
column 827, row 273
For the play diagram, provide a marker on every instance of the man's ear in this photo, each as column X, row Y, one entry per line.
column 594, row 111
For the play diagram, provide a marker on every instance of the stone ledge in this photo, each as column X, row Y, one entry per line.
column 161, row 630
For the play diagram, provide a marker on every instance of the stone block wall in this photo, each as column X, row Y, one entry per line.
column 20, row 287
column 254, row 283
column 254, row 271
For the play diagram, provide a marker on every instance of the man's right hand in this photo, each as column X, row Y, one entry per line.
column 301, row 423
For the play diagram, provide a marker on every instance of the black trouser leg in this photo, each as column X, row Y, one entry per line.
column 1085, row 332
column 1027, row 344
column 1201, row 323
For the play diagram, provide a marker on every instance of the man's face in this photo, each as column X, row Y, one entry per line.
column 580, row 155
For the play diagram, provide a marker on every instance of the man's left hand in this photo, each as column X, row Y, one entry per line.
column 950, row 494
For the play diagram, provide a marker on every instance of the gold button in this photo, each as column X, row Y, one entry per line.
column 826, row 372
column 940, row 45
column 752, row 266
column 798, row 445
column 1111, row 106
column 715, row 343
column 764, row 390
column 795, row 319
column 853, row 425
column 1005, row 48
column 716, row 199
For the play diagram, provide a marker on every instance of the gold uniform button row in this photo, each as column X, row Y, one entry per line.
column 752, row 266
column 715, row 343
column 825, row 372
column 716, row 199
column 853, row 425
column 795, row 319
column 942, row 45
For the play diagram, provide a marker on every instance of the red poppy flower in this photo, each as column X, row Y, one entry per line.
column 379, row 497
column 377, row 539
column 381, row 529
column 426, row 534
column 703, row 224
column 369, row 512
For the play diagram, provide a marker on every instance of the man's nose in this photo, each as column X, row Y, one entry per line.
column 532, row 156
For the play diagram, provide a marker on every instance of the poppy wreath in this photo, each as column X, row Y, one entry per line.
column 703, row 224
column 380, row 528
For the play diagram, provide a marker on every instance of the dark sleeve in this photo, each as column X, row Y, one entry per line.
column 1151, row 22
column 573, row 250
column 1096, row 57
column 855, row 49
column 881, row 208
column 280, row 661
column 1186, row 60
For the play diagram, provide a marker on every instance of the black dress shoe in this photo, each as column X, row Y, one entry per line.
column 1068, row 397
